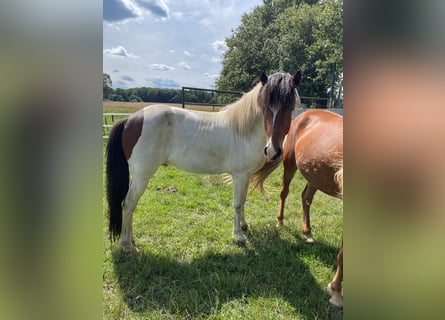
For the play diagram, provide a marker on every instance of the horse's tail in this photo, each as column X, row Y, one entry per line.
column 117, row 178
column 258, row 178
column 339, row 177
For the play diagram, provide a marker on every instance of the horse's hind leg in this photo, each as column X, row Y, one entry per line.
column 334, row 288
column 306, row 200
column 289, row 171
column 137, row 187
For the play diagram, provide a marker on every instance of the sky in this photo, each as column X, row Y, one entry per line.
column 168, row 43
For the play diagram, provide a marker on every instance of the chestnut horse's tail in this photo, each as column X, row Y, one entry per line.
column 258, row 178
column 339, row 177
column 117, row 179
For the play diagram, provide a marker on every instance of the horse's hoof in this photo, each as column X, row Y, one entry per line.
column 336, row 301
column 242, row 244
column 242, row 241
column 280, row 222
column 129, row 248
column 336, row 298
column 308, row 237
column 310, row 240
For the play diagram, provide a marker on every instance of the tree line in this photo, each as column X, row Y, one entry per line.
column 288, row 35
column 162, row 95
column 149, row 94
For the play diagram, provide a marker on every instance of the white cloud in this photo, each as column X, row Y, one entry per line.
column 219, row 45
column 215, row 59
column 159, row 67
column 158, row 8
column 121, row 11
column 171, row 51
column 119, row 52
column 179, row 15
column 188, row 54
column 184, row 65
column 211, row 75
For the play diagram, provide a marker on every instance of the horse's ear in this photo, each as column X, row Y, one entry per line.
column 297, row 78
column 263, row 78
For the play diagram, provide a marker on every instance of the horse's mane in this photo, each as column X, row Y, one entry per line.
column 242, row 114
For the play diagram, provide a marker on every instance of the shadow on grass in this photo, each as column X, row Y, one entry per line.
column 270, row 267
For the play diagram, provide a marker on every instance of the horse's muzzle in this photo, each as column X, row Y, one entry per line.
column 276, row 155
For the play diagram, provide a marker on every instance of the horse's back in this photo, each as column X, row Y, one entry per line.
column 318, row 132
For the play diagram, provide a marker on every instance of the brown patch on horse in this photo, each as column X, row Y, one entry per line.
column 132, row 132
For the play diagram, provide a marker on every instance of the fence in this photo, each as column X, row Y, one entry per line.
column 307, row 102
column 213, row 104
column 108, row 119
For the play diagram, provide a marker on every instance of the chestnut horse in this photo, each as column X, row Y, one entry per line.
column 236, row 140
column 314, row 145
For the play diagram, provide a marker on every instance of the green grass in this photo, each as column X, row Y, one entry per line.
column 189, row 267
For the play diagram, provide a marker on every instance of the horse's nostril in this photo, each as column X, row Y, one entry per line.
column 277, row 155
column 265, row 150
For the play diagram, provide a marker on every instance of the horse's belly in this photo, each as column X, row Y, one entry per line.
column 222, row 160
column 199, row 163
column 321, row 177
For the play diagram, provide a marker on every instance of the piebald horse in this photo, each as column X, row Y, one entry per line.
column 237, row 140
column 314, row 144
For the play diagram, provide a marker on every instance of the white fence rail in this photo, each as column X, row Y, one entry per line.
column 108, row 119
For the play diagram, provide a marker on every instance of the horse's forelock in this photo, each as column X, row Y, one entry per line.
column 279, row 92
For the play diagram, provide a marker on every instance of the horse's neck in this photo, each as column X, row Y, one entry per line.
column 244, row 116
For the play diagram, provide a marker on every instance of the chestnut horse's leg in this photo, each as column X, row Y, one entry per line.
column 334, row 288
column 306, row 200
column 289, row 171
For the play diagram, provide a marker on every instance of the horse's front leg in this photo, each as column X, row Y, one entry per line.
column 290, row 168
column 240, row 185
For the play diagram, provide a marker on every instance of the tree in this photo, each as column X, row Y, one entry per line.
column 107, row 89
column 116, row 97
column 135, row 98
column 286, row 35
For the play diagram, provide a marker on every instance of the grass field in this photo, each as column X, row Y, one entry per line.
column 189, row 267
